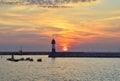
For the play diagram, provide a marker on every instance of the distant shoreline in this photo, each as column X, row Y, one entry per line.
column 69, row 54
column 24, row 53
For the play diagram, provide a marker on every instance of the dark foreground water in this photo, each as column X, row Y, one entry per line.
column 60, row 69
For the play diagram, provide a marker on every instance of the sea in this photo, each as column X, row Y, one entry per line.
column 59, row 69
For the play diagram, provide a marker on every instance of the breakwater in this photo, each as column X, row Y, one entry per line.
column 86, row 54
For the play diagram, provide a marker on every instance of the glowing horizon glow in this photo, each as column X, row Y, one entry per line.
column 65, row 49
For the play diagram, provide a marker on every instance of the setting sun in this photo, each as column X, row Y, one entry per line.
column 65, row 49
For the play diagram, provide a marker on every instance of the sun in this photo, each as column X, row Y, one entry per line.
column 65, row 49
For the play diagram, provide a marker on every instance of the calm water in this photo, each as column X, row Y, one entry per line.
column 60, row 69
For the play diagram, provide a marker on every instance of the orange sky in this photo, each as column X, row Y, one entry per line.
column 83, row 26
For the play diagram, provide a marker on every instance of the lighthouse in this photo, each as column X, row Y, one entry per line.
column 53, row 45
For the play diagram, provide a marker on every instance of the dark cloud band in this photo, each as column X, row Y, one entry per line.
column 42, row 2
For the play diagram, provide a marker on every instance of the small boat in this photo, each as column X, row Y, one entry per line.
column 14, row 60
column 27, row 58
column 31, row 60
column 39, row 60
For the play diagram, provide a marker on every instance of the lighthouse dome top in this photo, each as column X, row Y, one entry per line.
column 53, row 41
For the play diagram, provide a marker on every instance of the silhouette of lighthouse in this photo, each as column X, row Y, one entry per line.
column 53, row 45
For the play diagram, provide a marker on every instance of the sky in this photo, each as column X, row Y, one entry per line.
column 78, row 25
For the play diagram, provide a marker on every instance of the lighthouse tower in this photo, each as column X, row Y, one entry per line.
column 53, row 45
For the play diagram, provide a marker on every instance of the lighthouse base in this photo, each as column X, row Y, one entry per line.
column 53, row 51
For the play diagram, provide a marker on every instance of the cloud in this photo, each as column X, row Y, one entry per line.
column 45, row 3
column 45, row 28
column 113, row 29
column 84, row 33
column 110, row 18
